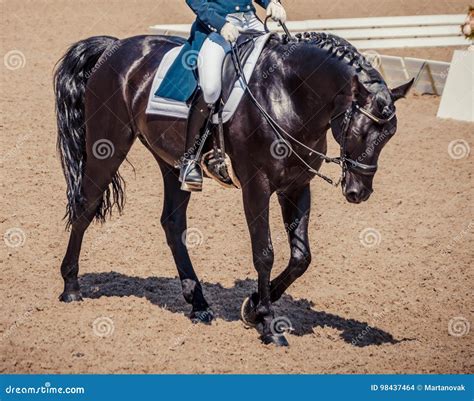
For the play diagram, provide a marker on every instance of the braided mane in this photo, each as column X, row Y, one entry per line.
column 341, row 49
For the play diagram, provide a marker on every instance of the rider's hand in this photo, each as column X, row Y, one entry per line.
column 276, row 11
column 230, row 32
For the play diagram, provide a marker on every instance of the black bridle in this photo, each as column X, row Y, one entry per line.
column 346, row 163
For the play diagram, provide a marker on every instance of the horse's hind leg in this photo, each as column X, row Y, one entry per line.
column 98, row 175
column 173, row 220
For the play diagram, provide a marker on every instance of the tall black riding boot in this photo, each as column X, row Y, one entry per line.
column 191, row 172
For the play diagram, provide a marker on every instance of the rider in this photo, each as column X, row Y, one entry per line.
column 221, row 21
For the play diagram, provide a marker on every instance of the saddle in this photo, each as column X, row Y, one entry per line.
column 215, row 163
column 244, row 47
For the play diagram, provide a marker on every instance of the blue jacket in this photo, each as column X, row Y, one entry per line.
column 180, row 81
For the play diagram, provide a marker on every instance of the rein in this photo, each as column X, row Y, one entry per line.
column 346, row 163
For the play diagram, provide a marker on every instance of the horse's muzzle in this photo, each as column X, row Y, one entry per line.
column 355, row 192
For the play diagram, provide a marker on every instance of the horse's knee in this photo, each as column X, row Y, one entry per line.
column 300, row 262
column 174, row 227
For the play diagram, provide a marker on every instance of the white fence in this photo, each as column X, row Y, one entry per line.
column 384, row 33
column 374, row 32
column 430, row 75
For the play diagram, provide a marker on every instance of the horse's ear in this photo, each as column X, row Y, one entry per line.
column 402, row 90
column 359, row 91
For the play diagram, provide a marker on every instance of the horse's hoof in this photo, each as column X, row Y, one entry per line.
column 202, row 316
column 278, row 340
column 247, row 312
column 70, row 297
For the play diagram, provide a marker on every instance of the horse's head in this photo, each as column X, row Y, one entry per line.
column 362, row 131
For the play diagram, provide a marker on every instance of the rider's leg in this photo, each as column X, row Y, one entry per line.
column 211, row 58
column 191, row 173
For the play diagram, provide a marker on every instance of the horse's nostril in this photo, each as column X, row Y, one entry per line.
column 352, row 196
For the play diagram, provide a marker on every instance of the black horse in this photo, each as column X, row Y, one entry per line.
column 306, row 85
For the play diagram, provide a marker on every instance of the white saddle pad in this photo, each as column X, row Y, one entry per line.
column 172, row 108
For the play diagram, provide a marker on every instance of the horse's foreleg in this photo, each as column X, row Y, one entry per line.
column 260, row 311
column 295, row 207
column 173, row 220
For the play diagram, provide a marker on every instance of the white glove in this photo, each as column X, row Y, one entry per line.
column 230, row 32
column 276, row 11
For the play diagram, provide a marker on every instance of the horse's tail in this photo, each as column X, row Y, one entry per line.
column 70, row 79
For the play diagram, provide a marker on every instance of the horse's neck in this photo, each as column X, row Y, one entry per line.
column 310, row 84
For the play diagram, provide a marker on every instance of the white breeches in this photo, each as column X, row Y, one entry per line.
column 212, row 54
